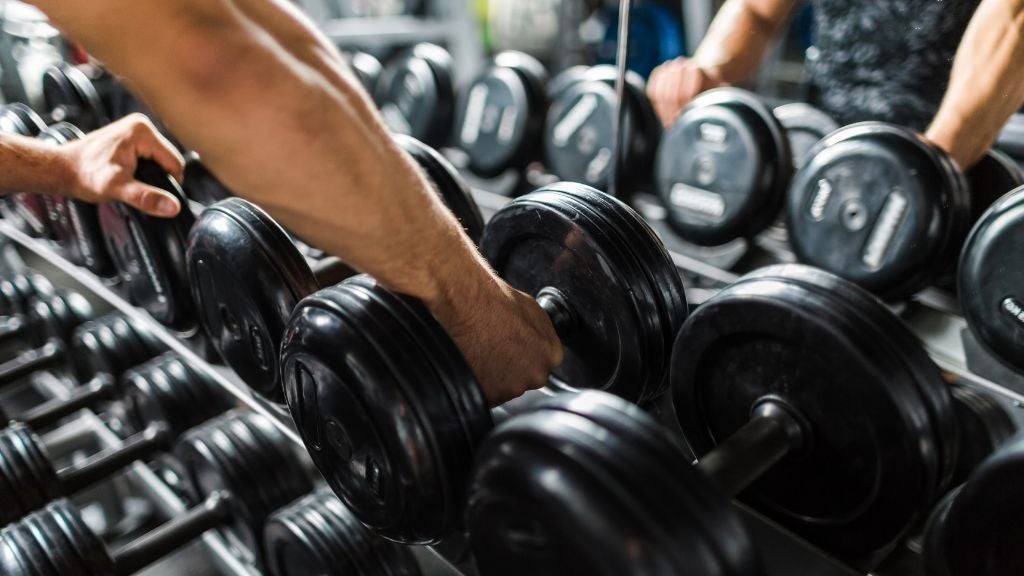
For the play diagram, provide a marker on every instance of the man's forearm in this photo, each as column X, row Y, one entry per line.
column 739, row 36
column 986, row 85
column 27, row 165
column 282, row 133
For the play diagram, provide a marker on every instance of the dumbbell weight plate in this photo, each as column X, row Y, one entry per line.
column 985, row 425
column 447, row 183
column 578, row 241
column 878, row 205
column 414, row 414
column 366, row 67
column 805, row 126
column 71, row 97
column 248, row 249
column 990, row 179
column 149, row 253
column 416, row 94
column 111, row 344
column 622, row 479
column 200, row 184
column 17, row 118
column 990, row 281
column 877, row 454
column 579, row 134
column 723, row 167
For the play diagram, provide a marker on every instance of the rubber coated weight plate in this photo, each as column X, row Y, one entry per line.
column 149, row 253
column 70, row 96
column 366, row 67
column 805, row 126
column 416, row 94
column 612, row 273
column 985, row 425
column 167, row 389
column 392, row 424
column 991, row 280
column 318, row 535
column 990, row 179
column 723, row 167
column 976, row 530
column 447, row 183
column 622, row 504
column 18, row 118
column 111, row 344
column 878, row 205
column 200, row 184
column 236, row 244
column 579, row 134
column 565, row 80
column 500, row 115
column 874, row 457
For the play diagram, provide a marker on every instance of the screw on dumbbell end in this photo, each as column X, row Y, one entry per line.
column 33, row 481
column 100, row 388
column 52, row 317
column 56, row 541
column 19, row 291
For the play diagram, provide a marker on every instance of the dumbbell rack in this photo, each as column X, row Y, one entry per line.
column 89, row 427
column 934, row 321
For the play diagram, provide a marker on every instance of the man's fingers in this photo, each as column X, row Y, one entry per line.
column 148, row 199
column 150, row 143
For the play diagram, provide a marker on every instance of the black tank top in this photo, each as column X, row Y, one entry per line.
column 885, row 59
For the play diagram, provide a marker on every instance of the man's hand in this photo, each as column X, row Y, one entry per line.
column 675, row 83
column 101, row 166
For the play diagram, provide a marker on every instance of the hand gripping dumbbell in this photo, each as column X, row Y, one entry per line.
column 579, row 130
column 247, row 275
column 416, row 93
column 49, row 318
column 109, row 344
column 318, row 535
column 723, row 168
column 881, row 206
column 991, row 280
column 976, row 529
column 798, row 392
column 500, row 118
column 149, row 253
column 393, row 423
column 245, row 455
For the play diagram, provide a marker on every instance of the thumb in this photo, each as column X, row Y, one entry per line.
column 148, row 199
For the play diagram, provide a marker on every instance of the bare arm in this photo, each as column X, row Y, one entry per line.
column 730, row 53
column 274, row 115
column 986, row 85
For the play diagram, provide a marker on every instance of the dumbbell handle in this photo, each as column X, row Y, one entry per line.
column 331, row 270
column 135, row 556
column 771, row 434
column 100, row 466
column 49, row 355
column 102, row 387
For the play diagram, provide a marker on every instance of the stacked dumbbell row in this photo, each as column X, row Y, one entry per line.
column 161, row 398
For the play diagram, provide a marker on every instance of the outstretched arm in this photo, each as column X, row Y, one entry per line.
column 986, row 85
column 277, row 118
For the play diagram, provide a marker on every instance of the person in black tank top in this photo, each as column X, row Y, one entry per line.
column 952, row 69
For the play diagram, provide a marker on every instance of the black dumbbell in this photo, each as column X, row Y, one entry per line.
column 200, row 185
column 19, row 290
column 805, row 126
column 74, row 224
column 881, row 206
column 416, row 93
column 579, row 130
column 991, row 279
column 394, row 422
column 54, row 317
column 25, row 211
column 245, row 326
column 149, row 253
column 70, row 96
column 985, row 425
column 366, row 67
column 30, row 479
column 500, row 118
column 797, row 391
column 245, row 455
column 101, row 388
column 976, row 529
column 723, row 168
column 109, row 344
column 318, row 535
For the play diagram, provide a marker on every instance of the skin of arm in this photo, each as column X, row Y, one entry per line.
column 276, row 115
column 730, row 53
column 986, row 85
column 97, row 168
